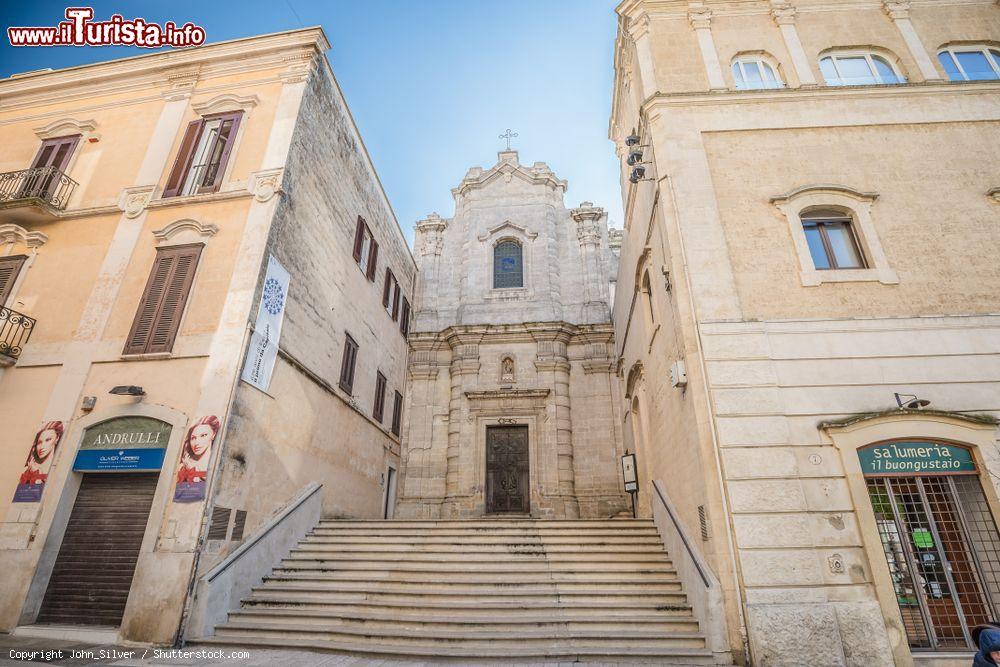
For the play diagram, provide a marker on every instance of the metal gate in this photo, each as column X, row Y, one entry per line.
column 941, row 544
column 93, row 572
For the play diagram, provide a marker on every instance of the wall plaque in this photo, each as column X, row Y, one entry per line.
column 916, row 458
column 125, row 443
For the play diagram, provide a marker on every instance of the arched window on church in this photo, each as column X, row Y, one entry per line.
column 508, row 267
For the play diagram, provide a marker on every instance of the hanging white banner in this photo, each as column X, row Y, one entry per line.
column 264, row 341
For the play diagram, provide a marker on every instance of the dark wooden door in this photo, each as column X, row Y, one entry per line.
column 93, row 571
column 507, row 470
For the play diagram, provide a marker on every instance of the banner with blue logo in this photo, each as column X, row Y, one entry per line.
column 124, row 443
column 263, row 349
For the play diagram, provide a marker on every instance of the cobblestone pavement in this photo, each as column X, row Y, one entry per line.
column 16, row 650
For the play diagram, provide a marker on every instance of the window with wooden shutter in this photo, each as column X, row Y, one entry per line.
column 204, row 153
column 359, row 238
column 347, row 364
column 404, row 318
column 379, row 410
column 162, row 305
column 387, row 288
column 372, row 261
column 10, row 267
column 397, row 413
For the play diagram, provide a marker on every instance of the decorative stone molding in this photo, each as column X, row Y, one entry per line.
column 11, row 233
column 897, row 9
column 226, row 102
column 181, row 83
column 507, row 227
column 508, row 374
column 634, row 375
column 615, row 238
column 700, row 16
column 133, row 201
column 430, row 234
column 190, row 228
column 508, row 167
column 265, row 184
column 588, row 228
column 852, row 202
column 783, row 13
column 68, row 126
column 640, row 266
column 638, row 27
column 298, row 69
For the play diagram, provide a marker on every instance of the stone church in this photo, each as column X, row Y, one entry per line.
column 513, row 404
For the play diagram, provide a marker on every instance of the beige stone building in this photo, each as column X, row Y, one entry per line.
column 170, row 224
column 511, row 404
column 811, row 217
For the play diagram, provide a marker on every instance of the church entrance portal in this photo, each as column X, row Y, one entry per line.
column 507, row 488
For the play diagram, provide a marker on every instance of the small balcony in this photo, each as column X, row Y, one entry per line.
column 34, row 195
column 15, row 330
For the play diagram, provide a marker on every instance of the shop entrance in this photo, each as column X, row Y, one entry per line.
column 93, row 571
column 939, row 539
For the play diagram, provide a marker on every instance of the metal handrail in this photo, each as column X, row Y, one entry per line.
column 707, row 577
column 45, row 184
column 15, row 330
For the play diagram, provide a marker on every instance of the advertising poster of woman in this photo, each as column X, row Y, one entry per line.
column 36, row 467
column 195, row 455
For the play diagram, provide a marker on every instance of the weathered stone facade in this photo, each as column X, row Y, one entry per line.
column 537, row 354
column 717, row 273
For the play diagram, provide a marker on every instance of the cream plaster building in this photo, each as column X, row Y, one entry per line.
column 512, row 406
column 147, row 207
column 811, row 222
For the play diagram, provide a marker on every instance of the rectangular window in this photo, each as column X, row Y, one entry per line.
column 390, row 294
column 162, row 305
column 397, row 412
column 203, row 155
column 365, row 249
column 379, row 409
column 53, row 157
column 347, row 364
column 404, row 318
column 10, row 267
column 832, row 244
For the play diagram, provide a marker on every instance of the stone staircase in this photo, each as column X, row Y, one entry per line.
column 489, row 589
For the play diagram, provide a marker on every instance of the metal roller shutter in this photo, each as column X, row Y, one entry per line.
column 93, row 571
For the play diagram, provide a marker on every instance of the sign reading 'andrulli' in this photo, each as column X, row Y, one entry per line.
column 915, row 458
column 125, row 443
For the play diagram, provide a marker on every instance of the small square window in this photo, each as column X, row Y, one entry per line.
column 832, row 243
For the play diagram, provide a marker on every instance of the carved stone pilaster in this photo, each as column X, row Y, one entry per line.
column 587, row 218
column 700, row 16
column 783, row 13
column 897, row 9
column 430, row 234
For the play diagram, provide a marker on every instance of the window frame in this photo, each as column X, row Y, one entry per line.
column 493, row 263
column 821, row 222
column 391, row 294
column 132, row 348
column 762, row 62
column 869, row 56
column 19, row 264
column 367, row 260
column 378, row 409
column 992, row 54
column 348, row 364
column 404, row 318
column 397, row 413
column 180, row 172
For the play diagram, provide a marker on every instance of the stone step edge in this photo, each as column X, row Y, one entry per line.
column 429, row 604
column 520, row 619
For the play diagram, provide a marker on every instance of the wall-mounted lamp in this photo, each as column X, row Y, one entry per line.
column 910, row 402
column 127, row 390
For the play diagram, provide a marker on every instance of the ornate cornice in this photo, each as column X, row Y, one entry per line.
column 206, row 230
column 897, row 9
column 226, row 102
column 67, row 126
column 508, row 167
column 700, row 16
column 821, row 188
column 11, row 233
column 507, row 225
column 783, row 12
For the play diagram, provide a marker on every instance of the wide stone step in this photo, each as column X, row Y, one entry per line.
column 295, row 590
column 494, row 548
column 445, row 576
column 473, row 607
column 484, row 567
column 476, row 587
column 326, row 552
column 490, row 524
column 551, row 653
column 408, row 533
column 504, row 540
column 422, row 637
column 383, row 622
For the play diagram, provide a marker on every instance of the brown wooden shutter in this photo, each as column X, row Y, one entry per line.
column 372, row 260
column 347, row 364
column 387, row 289
column 397, row 413
column 359, row 238
column 404, row 320
column 162, row 305
column 395, row 304
column 183, row 159
column 10, row 267
column 218, row 167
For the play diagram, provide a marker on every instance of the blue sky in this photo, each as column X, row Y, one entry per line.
column 431, row 83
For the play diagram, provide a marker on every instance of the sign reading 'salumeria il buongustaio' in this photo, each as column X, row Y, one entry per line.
column 915, row 458
column 125, row 443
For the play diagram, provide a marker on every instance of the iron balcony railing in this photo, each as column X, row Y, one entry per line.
column 45, row 184
column 15, row 330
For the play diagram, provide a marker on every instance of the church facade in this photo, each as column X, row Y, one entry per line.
column 512, row 399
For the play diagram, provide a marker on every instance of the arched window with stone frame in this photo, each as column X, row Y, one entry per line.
column 508, row 264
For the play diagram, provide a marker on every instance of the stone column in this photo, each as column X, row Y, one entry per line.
column 638, row 31
column 464, row 373
column 783, row 13
column 595, row 280
column 899, row 12
column 701, row 20
column 552, row 364
column 428, row 242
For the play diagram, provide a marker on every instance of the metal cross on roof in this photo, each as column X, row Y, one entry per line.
column 508, row 135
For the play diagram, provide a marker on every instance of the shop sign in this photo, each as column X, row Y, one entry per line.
column 915, row 458
column 629, row 474
column 125, row 443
